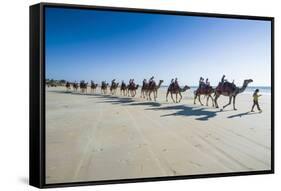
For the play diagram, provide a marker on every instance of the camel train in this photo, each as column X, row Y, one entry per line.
column 150, row 87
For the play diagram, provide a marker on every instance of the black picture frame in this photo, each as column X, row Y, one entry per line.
column 37, row 95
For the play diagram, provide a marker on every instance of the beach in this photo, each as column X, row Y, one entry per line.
column 104, row 137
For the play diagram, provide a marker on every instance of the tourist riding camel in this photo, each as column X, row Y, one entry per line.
column 230, row 90
column 93, row 87
column 123, row 89
column 67, row 85
column 113, row 87
column 104, row 86
column 75, row 86
column 174, row 88
column 204, row 89
column 132, row 88
column 153, row 88
column 83, row 86
column 144, row 89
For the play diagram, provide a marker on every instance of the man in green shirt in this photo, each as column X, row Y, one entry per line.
column 256, row 100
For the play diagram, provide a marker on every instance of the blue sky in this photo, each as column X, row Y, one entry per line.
column 102, row 45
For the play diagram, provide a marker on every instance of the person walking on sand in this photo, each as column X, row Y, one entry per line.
column 256, row 100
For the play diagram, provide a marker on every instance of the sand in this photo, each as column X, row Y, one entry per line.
column 103, row 137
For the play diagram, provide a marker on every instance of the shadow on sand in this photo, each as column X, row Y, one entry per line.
column 201, row 113
column 128, row 101
column 151, row 104
column 117, row 100
column 242, row 114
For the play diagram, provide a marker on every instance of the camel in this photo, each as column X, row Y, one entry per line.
column 104, row 86
column 83, row 86
column 123, row 89
column 67, row 85
column 75, row 86
column 176, row 90
column 144, row 89
column 93, row 87
column 207, row 91
column 113, row 88
column 132, row 89
column 230, row 90
column 153, row 88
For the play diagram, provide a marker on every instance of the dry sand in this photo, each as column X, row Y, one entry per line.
column 101, row 137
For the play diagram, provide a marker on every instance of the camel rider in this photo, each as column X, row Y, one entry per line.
column 132, row 82
column 151, row 80
column 172, row 84
column 207, row 82
column 112, row 82
column 123, row 84
column 222, row 79
column 176, row 83
column 201, row 81
column 143, row 82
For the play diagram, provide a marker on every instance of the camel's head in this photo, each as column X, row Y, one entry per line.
column 248, row 81
column 161, row 81
column 186, row 87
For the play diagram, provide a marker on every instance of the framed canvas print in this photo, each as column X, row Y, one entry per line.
column 123, row 95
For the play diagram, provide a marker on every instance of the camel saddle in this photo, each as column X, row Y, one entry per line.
column 226, row 87
column 204, row 89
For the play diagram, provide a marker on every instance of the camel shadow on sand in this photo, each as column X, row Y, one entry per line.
column 242, row 114
column 117, row 100
column 150, row 103
column 126, row 101
column 201, row 113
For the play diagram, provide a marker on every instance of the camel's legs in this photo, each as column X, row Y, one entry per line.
column 146, row 94
column 230, row 99
column 234, row 97
column 216, row 100
column 172, row 97
column 195, row 99
column 180, row 96
column 176, row 97
column 207, row 102
column 209, row 96
column 154, row 94
column 167, row 96
column 199, row 97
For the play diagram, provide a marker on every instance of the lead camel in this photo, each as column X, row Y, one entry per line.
column 230, row 90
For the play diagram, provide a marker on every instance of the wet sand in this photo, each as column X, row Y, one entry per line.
column 101, row 137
